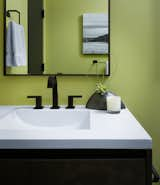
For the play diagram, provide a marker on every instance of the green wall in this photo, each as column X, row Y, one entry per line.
column 135, row 65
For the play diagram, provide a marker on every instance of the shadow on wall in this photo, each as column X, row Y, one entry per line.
column 156, row 21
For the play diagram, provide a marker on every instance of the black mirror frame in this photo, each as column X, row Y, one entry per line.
column 4, row 51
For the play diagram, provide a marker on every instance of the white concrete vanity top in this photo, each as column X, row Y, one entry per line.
column 106, row 131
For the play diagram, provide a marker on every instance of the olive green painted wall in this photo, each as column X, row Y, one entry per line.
column 135, row 48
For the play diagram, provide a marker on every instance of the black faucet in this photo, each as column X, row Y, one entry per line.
column 38, row 101
column 52, row 83
column 70, row 101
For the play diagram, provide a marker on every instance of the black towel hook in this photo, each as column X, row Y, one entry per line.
column 8, row 14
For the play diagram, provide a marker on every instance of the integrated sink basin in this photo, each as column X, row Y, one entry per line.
column 23, row 127
column 62, row 118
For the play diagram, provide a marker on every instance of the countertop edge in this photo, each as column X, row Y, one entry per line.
column 75, row 144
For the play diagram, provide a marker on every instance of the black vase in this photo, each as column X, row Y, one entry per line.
column 98, row 101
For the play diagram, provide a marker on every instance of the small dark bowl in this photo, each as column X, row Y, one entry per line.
column 98, row 101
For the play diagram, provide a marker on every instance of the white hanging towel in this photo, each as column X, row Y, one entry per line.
column 15, row 46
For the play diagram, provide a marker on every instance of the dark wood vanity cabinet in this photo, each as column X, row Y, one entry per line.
column 76, row 167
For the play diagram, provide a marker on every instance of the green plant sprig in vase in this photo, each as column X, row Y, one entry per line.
column 100, row 88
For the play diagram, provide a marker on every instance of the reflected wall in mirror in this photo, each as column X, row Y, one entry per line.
column 63, row 39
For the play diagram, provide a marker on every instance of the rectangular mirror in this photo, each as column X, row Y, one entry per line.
column 57, row 37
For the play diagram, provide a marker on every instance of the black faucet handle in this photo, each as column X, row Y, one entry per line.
column 70, row 101
column 38, row 101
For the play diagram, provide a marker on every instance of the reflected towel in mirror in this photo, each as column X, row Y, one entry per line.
column 15, row 46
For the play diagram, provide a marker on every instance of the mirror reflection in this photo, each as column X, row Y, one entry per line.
column 57, row 37
column 16, row 37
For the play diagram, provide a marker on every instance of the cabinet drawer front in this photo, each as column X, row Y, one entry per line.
column 72, row 171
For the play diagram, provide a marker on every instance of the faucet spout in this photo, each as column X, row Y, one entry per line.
column 52, row 83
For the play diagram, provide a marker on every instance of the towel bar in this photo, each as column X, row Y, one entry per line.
column 16, row 11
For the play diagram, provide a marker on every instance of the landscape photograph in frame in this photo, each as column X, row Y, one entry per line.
column 95, row 33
